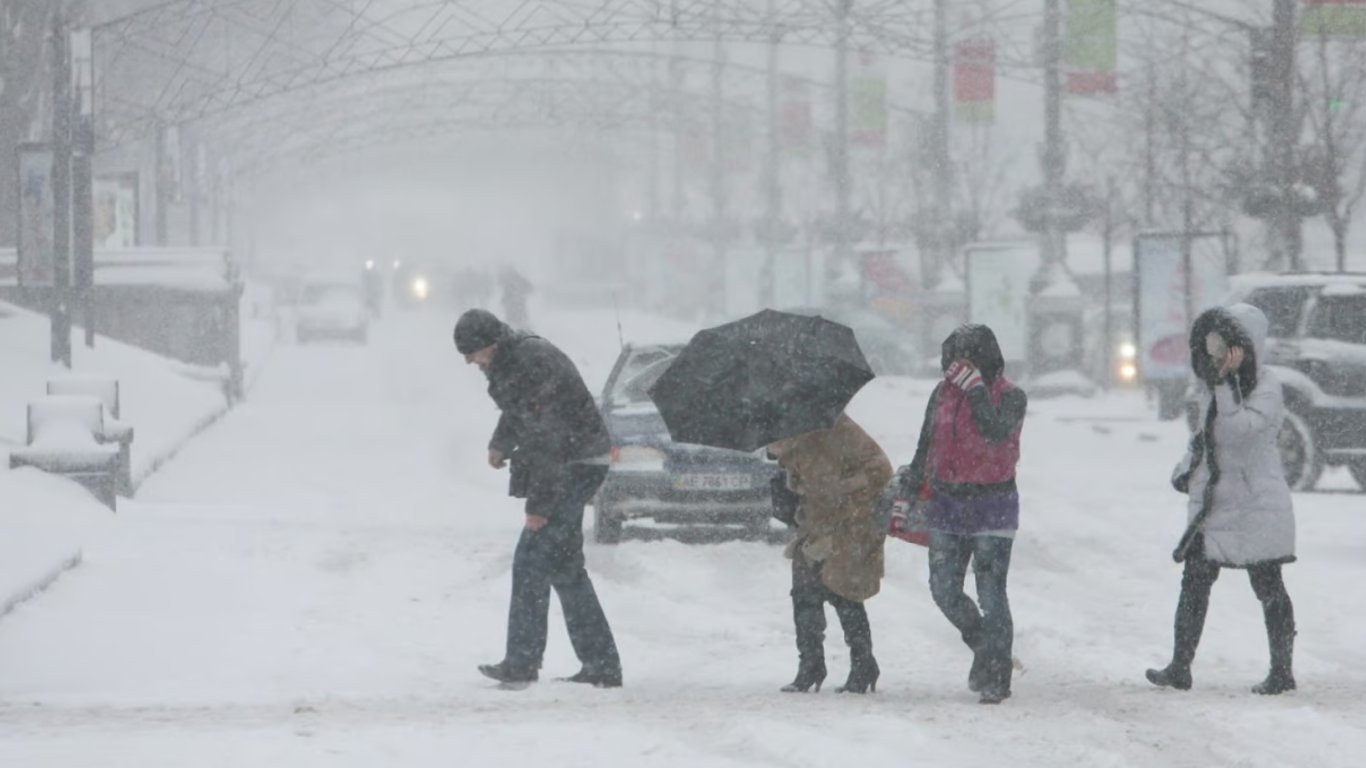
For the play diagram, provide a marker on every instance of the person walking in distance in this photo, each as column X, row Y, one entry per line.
column 1240, row 513
column 552, row 435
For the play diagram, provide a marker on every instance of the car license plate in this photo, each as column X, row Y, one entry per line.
column 713, row 483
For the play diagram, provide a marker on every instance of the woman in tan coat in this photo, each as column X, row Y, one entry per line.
column 837, row 475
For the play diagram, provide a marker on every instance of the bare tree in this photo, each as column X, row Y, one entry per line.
column 25, row 33
column 1333, row 81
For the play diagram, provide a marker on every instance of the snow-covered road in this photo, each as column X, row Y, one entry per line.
column 314, row 580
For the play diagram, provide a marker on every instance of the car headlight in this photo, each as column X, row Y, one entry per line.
column 420, row 288
column 637, row 458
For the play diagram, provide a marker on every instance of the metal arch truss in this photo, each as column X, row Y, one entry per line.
column 179, row 61
column 583, row 91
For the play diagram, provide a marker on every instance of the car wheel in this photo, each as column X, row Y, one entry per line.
column 607, row 524
column 1299, row 453
column 1358, row 470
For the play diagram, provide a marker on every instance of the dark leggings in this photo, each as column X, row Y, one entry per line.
column 1196, row 582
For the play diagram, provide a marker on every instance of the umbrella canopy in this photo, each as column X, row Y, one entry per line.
column 765, row 377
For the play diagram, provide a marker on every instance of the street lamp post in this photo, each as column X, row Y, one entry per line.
column 82, row 178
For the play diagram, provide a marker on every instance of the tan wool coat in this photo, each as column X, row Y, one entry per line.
column 838, row 474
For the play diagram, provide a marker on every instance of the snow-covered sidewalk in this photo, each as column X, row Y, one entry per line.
column 44, row 520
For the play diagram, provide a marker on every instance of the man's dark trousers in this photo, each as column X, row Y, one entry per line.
column 553, row 557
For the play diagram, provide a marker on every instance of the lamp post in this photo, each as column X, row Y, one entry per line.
column 82, row 177
column 60, row 301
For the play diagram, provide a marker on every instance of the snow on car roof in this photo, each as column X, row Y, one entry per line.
column 1250, row 280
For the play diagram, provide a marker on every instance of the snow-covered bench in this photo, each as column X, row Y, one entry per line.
column 106, row 389
column 62, row 439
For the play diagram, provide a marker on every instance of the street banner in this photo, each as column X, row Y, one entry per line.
column 37, row 216
column 974, row 80
column 794, row 117
column 1163, row 285
column 1334, row 18
column 1091, row 50
column 116, row 210
column 868, row 102
column 998, row 276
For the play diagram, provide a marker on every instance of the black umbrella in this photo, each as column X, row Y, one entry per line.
column 765, row 377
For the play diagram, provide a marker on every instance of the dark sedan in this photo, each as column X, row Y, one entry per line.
column 654, row 478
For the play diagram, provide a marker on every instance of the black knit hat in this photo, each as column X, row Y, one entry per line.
column 477, row 329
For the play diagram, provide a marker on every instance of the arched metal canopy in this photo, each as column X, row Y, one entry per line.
column 574, row 91
column 184, row 60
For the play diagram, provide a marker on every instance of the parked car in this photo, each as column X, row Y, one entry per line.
column 890, row 350
column 331, row 308
column 1316, row 341
column 652, row 477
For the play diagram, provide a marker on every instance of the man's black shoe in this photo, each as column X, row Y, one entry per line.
column 506, row 673
column 595, row 679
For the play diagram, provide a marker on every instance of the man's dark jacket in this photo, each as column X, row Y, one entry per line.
column 548, row 417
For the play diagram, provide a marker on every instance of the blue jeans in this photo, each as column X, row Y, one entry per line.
column 989, row 632
column 553, row 558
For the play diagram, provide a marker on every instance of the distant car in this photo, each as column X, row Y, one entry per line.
column 1316, row 342
column 331, row 309
column 652, row 477
column 890, row 350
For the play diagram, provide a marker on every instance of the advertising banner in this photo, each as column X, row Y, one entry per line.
column 998, row 276
column 974, row 80
column 868, row 102
column 1091, row 50
column 116, row 211
column 37, row 216
column 1163, row 285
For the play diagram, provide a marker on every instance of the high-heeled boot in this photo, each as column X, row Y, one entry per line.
column 808, row 614
column 863, row 669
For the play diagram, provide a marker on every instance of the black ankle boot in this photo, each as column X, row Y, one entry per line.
column 1276, row 683
column 863, row 674
column 504, row 672
column 1171, row 676
column 809, row 674
column 595, row 678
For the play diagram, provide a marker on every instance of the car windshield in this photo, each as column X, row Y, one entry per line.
column 1339, row 318
column 641, row 370
column 1283, row 307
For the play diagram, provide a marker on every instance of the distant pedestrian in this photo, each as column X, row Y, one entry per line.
column 515, row 288
column 555, row 439
column 1240, row 513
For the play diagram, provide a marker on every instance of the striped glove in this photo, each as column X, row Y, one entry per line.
column 963, row 375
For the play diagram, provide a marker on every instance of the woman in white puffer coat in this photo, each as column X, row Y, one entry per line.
column 1240, row 513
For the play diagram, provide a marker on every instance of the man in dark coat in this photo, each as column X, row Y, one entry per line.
column 553, row 436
